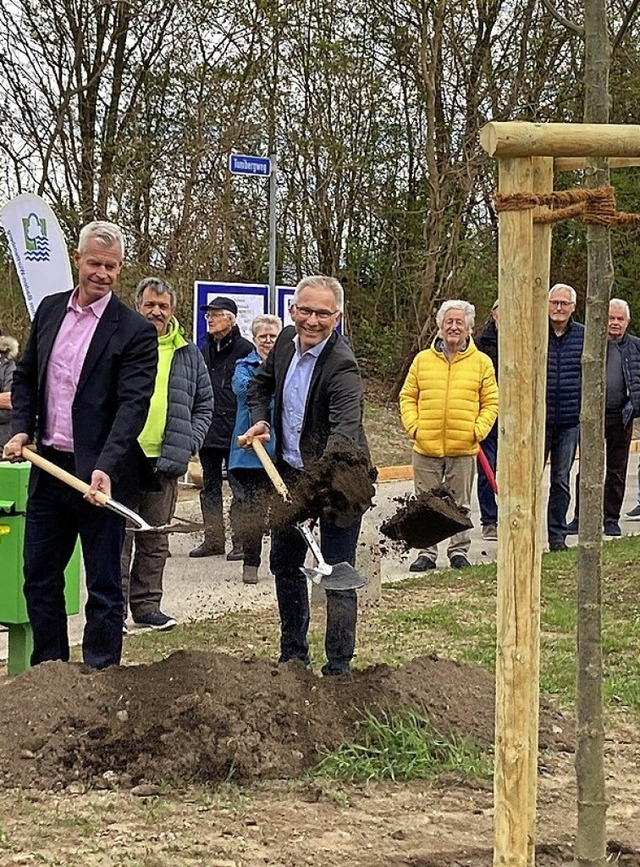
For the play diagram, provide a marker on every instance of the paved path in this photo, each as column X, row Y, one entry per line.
column 197, row 589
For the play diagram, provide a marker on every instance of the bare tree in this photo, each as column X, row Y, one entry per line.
column 591, row 832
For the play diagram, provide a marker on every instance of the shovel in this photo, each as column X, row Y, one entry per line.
column 73, row 481
column 341, row 576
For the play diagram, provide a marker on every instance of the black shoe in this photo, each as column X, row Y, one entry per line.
column 422, row 563
column 558, row 546
column 207, row 549
column 572, row 528
column 235, row 553
column 156, row 620
column 612, row 528
column 329, row 671
column 635, row 512
column 459, row 561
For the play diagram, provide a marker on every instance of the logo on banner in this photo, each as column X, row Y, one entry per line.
column 38, row 248
column 36, row 242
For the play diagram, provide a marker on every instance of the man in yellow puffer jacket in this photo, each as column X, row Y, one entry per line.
column 448, row 404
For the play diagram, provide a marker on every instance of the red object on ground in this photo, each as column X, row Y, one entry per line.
column 486, row 469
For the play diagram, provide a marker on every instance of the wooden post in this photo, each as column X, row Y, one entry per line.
column 526, row 155
column 543, row 168
column 519, row 510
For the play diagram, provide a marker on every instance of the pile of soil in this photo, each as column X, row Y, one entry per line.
column 340, row 485
column 427, row 519
column 204, row 716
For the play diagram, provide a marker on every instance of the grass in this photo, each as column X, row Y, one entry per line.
column 402, row 746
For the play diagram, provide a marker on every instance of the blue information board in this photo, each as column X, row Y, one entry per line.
column 252, row 300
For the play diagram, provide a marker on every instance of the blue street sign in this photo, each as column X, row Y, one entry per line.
column 243, row 164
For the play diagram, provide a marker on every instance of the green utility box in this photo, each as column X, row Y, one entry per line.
column 14, row 483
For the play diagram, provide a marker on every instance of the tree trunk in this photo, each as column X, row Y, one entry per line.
column 591, row 831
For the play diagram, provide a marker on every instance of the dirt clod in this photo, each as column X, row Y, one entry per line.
column 339, row 486
column 427, row 519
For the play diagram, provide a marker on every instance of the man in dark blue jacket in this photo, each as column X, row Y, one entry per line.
column 564, row 383
column 223, row 346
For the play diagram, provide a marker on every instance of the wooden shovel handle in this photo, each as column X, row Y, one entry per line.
column 269, row 466
column 60, row 474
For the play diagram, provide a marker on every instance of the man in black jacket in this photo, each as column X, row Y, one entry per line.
column 84, row 382
column 223, row 346
column 313, row 379
column 622, row 405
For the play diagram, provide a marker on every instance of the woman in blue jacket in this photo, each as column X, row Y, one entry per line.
column 253, row 504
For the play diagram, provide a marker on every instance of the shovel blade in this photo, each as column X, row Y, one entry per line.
column 343, row 577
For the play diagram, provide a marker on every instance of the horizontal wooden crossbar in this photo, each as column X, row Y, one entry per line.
column 524, row 139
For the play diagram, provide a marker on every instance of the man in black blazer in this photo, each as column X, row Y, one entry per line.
column 84, row 385
column 313, row 378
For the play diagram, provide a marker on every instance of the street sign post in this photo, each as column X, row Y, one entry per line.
column 245, row 164
column 262, row 167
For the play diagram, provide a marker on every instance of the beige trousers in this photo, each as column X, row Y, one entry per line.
column 457, row 474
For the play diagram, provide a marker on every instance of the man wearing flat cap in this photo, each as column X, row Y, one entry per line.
column 223, row 346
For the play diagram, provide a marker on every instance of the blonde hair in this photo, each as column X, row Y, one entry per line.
column 265, row 319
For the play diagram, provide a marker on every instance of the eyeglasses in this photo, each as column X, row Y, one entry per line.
column 321, row 315
column 555, row 303
column 214, row 314
column 266, row 338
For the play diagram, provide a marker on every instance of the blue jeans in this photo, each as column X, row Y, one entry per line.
column 561, row 445
column 288, row 553
column 486, row 497
column 56, row 516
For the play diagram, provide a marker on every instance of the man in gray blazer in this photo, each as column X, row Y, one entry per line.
column 313, row 379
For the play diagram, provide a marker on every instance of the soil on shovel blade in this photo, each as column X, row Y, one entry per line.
column 427, row 519
column 199, row 716
column 339, row 485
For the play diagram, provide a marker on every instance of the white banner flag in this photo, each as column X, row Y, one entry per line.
column 38, row 248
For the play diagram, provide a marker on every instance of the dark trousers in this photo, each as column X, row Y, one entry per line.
column 486, row 497
column 617, row 439
column 288, row 553
column 560, row 446
column 212, row 461
column 617, row 442
column 254, row 492
column 142, row 575
column 56, row 516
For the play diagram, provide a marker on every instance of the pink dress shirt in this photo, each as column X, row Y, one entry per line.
column 63, row 370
